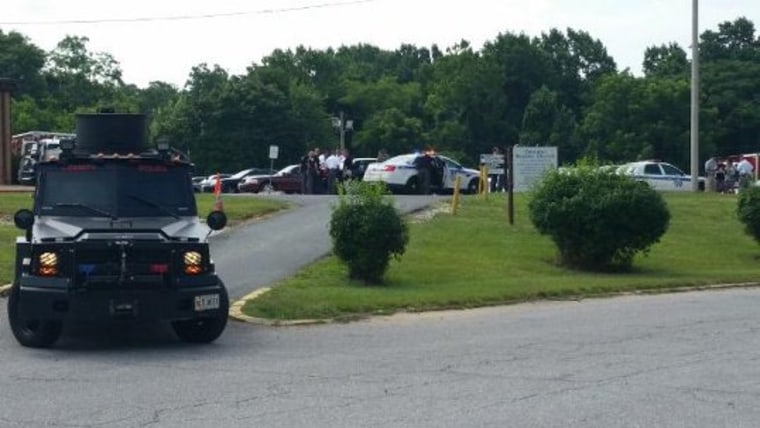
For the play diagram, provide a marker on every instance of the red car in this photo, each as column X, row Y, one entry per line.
column 286, row 180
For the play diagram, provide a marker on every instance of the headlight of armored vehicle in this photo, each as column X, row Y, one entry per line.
column 48, row 264
column 193, row 263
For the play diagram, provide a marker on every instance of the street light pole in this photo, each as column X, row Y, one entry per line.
column 695, row 95
column 343, row 126
column 342, row 132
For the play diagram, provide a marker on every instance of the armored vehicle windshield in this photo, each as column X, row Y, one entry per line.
column 115, row 189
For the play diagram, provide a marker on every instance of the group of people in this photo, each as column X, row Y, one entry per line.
column 725, row 176
column 321, row 171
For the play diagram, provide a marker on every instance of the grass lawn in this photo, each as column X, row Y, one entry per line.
column 476, row 259
column 238, row 209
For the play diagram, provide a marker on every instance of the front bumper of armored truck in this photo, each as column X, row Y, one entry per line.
column 42, row 298
column 139, row 281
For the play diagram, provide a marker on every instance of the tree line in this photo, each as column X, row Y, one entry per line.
column 561, row 89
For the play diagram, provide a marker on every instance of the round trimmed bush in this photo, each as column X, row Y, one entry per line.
column 748, row 210
column 599, row 220
column 367, row 230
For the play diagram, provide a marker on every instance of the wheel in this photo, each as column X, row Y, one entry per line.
column 32, row 333
column 472, row 187
column 204, row 330
column 268, row 188
column 412, row 186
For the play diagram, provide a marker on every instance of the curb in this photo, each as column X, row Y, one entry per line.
column 236, row 313
column 5, row 289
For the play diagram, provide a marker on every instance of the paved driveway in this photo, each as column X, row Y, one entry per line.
column 259, row 254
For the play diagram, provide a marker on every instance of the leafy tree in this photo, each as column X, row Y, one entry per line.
column 633, row 119
column 666, row 61
column 547, row 123
column 391, row 130
column 78, row 79
column 733, row 41
column 22, row 61
column 730, row 89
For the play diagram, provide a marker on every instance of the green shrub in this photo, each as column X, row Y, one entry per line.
column 599, row 220
column 367, row 230
column 748, row 210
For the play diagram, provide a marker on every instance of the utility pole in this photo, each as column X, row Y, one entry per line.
column 695, row 95
column 342, row 125
column 7, row 86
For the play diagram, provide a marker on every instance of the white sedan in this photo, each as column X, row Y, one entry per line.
column 659, row 175
column 400, row 175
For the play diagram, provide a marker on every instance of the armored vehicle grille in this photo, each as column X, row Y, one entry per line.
column 112, row 267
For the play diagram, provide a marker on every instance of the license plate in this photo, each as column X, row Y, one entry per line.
column 206, row 302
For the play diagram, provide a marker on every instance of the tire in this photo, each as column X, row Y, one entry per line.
column 268, row 188
column 412, row 186
column 31, row 333
column 472, row 187
column 204, row 330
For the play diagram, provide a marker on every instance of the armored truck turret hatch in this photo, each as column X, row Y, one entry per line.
column 114, row 234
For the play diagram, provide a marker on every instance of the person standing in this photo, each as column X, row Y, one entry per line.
column 424, row 165
column 332, row 165
column 746, row 170
column 497, row 178
column 720, row 178
column 711, row 167
column 347, row 166
column 312, row 172
column 303, row 170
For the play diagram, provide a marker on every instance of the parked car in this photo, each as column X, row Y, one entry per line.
column 207, row 185
column 286, row 180
column 197, row 180
column 400, row 174
column 359, row 165
column 230, row 183
column 659, row 175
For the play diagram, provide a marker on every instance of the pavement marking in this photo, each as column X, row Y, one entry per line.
column 236, row 313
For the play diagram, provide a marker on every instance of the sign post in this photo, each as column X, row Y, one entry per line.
column 510, row 188
column 274, row 151
column 526, row 165
column 530, row 164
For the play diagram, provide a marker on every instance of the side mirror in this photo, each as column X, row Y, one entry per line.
column 24, row 219
column 216, row 220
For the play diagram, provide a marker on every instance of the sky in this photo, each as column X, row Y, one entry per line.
column 243, row 32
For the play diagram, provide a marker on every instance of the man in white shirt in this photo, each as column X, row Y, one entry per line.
column 332, row 164
column 711, row 167
column 745, row 169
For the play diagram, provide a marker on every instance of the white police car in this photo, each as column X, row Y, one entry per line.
column 659, row 175
column 400, row 175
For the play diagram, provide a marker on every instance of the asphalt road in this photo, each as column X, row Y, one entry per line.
column 679, row 360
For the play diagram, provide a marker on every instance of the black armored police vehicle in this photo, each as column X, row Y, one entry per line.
column 114, row 234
